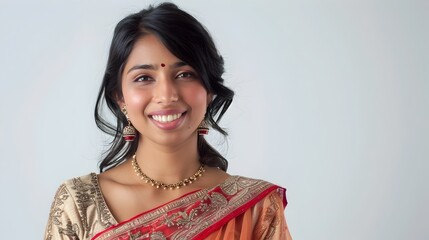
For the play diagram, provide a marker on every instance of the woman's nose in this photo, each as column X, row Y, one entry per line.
column 165, row 91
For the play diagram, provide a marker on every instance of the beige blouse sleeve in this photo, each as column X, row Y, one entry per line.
column 79, row 210
column 64, row 219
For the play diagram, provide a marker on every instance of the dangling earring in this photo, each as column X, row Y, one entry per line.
column 203, row 128
column 129, row 132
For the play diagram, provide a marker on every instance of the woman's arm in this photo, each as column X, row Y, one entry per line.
column 271, row 220
column 64, row 219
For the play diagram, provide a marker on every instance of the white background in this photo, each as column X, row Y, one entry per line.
column 332, row 102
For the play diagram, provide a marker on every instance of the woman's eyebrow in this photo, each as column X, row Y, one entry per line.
column 153, row 67
column 179, row 64
column 142, row 66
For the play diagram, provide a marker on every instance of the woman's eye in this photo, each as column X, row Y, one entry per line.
column 143, row 79
column 186, row 75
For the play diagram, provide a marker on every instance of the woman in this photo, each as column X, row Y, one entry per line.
column 160, row 179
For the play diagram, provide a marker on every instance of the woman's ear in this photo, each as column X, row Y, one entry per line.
column 210, row 97
column 120, row 101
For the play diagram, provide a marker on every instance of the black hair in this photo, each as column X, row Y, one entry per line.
column 188, row 40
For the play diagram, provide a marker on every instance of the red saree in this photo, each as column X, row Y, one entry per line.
column 239, row 208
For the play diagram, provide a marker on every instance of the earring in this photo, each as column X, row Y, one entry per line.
column 203, row 128
column 129, row 132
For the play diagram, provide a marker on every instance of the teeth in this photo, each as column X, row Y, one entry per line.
column 166, row 118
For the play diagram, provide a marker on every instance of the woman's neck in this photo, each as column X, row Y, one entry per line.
column 168, row 164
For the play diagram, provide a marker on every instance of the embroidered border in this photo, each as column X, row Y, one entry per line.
column 214, row 207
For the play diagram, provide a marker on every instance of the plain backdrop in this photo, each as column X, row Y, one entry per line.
column 332, row 102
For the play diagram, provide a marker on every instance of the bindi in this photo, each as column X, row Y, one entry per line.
column 162, row 65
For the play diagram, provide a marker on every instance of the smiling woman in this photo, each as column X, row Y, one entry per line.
column 151, row 95
column 160, row 179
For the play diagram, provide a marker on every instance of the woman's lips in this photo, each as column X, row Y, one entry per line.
column 167, row 119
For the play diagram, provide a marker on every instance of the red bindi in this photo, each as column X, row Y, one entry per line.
column 162, row 65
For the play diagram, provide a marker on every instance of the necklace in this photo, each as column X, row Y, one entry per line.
column 162, row 185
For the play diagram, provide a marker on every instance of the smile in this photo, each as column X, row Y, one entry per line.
column 166, row 118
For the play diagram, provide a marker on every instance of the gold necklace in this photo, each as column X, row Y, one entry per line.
column 162, row 185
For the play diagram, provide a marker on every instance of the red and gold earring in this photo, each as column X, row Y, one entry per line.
column 129, row 132
column 203, row 128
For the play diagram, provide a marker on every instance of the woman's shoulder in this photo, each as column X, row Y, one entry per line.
column 257, row 188
column 81, row 182
column 83, row 192
column 80, row 187
column 79, row 207
column 86, row 193
column 246, row 182
column 264, row 202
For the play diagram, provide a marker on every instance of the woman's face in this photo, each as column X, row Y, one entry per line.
column 164, row 96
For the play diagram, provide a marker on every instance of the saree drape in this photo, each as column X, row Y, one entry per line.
column 239, row 208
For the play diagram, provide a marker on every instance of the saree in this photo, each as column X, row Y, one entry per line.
column 239, row 208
